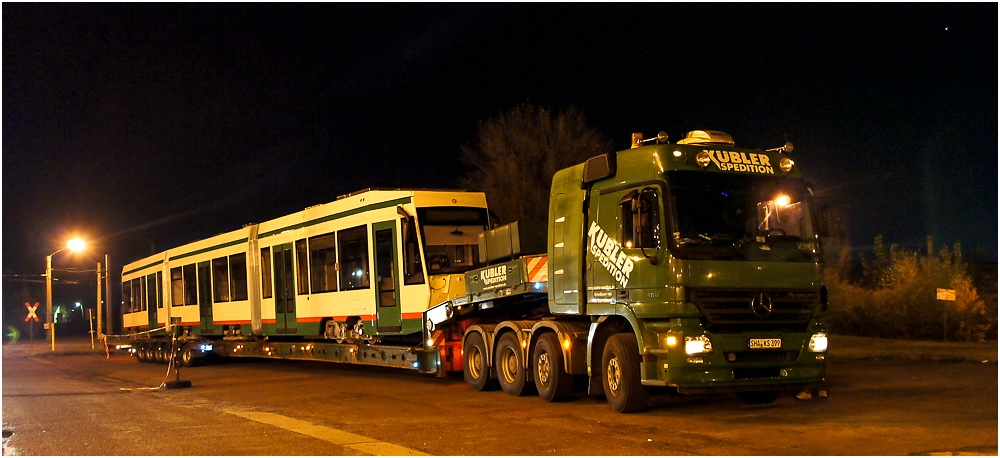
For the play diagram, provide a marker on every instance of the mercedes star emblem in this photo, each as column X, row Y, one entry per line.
column 761, row 305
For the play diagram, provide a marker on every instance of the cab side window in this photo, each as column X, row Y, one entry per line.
column 640, row 219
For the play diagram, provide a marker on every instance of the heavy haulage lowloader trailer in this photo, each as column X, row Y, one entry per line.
column 692, row 267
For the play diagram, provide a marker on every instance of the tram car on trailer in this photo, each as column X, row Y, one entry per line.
column 360, row 269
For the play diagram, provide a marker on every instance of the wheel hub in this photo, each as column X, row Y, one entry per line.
column 475, row 363
column 543, row 369
column 614, row 375
column 509, row 365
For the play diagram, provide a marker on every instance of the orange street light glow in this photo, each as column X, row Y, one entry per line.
column 76, row 245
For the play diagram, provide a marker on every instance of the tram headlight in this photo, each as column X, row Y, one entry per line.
column 696, row 345
column 818, row 342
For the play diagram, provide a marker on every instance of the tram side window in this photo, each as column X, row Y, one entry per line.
column 138, row 298
column 413, row 270
column 176, row 287
column 220, row 279
column 238, row 276
column 265, row 272
column 302, row 255
column 323, row 263
column 183, row 286
column 126, row 297
column 190, row 285
column 353, row 246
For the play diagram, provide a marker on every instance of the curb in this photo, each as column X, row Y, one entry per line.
column 852, row 347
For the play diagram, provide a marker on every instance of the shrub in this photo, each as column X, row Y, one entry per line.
column 895, row 296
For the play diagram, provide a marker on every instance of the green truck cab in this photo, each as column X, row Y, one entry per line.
column 693, row 265
column 706, row 252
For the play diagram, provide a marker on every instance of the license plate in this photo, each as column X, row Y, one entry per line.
column 765, row 343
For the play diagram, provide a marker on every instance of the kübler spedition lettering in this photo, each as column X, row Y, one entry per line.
column 493, row 275
column 741, row 162
column 609, row 253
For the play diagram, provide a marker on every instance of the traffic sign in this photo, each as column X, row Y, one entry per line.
column 31, row 312
column 945, row 294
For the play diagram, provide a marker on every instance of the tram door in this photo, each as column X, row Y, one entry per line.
column 387, row 284
column 151, row 300
column 205, row 297
column 284, row 289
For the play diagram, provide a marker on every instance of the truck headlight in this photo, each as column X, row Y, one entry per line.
column 818, row 342
column 694, row 345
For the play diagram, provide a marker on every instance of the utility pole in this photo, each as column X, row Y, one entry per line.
column 107, row 293
column 50, row 325
column 100, row 300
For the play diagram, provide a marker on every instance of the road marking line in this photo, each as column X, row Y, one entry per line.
column 334, row 436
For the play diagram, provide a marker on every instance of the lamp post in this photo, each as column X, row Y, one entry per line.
column 72, row 245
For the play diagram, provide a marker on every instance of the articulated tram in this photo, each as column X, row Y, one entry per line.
column 361, row 268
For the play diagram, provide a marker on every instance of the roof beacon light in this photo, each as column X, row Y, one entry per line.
column 706, row 137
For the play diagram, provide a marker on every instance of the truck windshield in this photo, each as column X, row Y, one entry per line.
column 451, row 238
column 740, row 217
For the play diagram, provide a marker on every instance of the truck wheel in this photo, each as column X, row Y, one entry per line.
column 622, row 385
column 189, row 356
column 510, row 365
column 161, row 353
column 140, row 352
column 146, row 353
column 552, row 382
column 477, row 372
column 758, row 397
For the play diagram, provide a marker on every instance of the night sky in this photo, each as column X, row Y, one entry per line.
column 142, row 127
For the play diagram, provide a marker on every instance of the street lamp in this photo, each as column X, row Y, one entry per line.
column 72, row 245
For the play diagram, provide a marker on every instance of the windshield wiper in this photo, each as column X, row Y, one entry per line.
column 716, row 238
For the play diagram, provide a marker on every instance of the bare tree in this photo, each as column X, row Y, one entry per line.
column 515, row 154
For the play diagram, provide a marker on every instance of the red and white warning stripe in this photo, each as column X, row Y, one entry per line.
column 538, row 269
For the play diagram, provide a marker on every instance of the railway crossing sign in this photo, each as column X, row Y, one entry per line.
column 31, row 312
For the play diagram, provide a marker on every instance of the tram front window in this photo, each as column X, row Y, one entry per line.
column 451, row 249
column 451, row 238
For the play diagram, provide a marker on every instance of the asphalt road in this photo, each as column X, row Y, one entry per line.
column 90, row 405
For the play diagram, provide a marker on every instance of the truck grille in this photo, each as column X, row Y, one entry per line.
column 755, row 310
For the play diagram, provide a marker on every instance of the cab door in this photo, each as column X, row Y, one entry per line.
column 284, row 289
column 387, row 308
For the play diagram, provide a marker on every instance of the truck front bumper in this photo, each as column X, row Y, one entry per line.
column 731, row 366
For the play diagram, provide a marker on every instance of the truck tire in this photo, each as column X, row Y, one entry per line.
column 757, row 397
column 510, row 365
column 474, row 365
column 551, row 380
column 146, row 353
column 189, row 356
column 621, row 375
column 140, row 352
column 161, row 352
